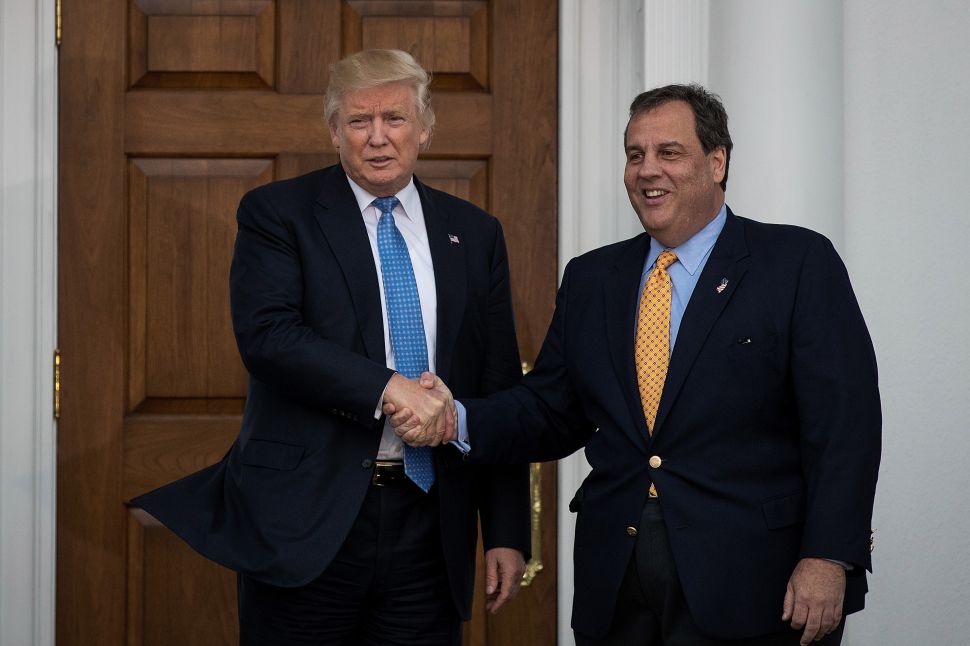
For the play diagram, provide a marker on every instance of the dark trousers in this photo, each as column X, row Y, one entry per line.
column 651, row 609
column 386, row 586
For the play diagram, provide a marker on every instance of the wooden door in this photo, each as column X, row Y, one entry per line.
column 169, row 111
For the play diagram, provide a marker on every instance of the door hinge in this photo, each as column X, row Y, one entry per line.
column 57, row 22
column 57, row 384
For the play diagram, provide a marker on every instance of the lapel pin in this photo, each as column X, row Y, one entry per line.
column 453, row 238
column 720, row 288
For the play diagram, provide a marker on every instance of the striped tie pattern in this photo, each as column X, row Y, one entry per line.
column 405, row 323
column 652, row 345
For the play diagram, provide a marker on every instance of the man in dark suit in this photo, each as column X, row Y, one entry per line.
column 346, row 284
column 721, row 378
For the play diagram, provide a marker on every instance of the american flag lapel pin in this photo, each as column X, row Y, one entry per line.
column 453, row 238
column 720, row 288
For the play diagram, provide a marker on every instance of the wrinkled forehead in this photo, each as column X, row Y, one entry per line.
column 387, row 96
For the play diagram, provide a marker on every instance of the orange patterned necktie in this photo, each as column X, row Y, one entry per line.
column 652, row 343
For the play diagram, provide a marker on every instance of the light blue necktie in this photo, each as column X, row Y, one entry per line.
column 405, row 322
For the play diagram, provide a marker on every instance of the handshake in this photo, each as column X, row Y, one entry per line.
column 422, row 411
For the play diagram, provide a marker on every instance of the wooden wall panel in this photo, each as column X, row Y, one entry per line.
column 160, row 448
column 175, row 596
column 468, row 179
column 201, row 43
column 449, row 39
column 307, row 29
column 197, row 101
column 213, row 123
column 186, row 43
column 182, row 227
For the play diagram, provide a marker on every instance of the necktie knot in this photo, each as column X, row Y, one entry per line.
column 666, row 259
column 386, row 204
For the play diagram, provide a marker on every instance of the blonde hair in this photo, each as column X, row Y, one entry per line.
column 374, row 67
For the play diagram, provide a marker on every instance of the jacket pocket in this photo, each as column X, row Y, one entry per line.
column 784, row 510
column 272, row 455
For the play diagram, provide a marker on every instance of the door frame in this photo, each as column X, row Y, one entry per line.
column 28, row 306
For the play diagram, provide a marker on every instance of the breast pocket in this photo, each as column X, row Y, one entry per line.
column 751, row 357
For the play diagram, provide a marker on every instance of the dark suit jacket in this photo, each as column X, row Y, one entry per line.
column 768, row 427
column 307, row 317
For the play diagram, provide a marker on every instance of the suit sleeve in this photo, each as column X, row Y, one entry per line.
column 836, row 390
column 277, row 348
column 504, row 501
column 541, row 419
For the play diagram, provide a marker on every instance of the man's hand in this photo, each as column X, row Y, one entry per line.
column 503, row 576
column 422, row 412
column 814, row 598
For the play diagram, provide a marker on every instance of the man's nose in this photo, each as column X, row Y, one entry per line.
column 378, row 133
column 649, row 167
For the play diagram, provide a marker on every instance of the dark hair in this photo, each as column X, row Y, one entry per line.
column 710, row 118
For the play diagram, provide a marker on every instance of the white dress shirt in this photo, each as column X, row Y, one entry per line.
column 409, row 218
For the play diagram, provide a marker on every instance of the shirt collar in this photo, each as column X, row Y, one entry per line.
column 692, row 253
column 408, row 196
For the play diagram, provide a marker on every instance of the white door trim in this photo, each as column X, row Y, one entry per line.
column 28, row 297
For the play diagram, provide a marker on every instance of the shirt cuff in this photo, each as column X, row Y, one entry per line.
column 380, row 401
column 461, row 442
column 847, row 566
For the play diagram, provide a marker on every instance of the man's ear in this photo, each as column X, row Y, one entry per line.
column 718, row 160
column 334, row 136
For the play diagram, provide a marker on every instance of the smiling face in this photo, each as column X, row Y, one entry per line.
column 673, row 185
column 378, row 134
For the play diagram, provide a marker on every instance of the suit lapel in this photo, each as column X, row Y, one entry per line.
column 621, row 305
column 727, row 262
column 338, row 215
column 449, row 279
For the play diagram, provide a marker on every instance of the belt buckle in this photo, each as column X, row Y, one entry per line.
column 380, row 478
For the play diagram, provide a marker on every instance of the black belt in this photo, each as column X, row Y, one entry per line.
column 388, row 473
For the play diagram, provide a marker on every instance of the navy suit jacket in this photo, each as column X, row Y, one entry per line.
column 768, row 429
column 306, row 313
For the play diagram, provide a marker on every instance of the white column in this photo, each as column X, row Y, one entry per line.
column 907, row 94
column 777, row 64
column 610, row 50
column 28, row 82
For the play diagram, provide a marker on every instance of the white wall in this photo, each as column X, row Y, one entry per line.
column 907, row 233
column 852, row 118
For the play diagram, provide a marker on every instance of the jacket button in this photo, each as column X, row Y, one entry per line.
column 655, row 461
column 366, row 464
column 632, row 531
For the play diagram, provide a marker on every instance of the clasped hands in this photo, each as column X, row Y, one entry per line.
column 421, row 411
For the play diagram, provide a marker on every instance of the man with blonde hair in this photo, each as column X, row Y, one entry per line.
column 346, row 284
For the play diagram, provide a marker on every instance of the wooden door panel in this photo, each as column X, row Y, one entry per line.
column 217, row 122
column 201, row 43
column 181, row 232
column 162, row 447
column 175, row 596
column 170, row 111
column 449, row 38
